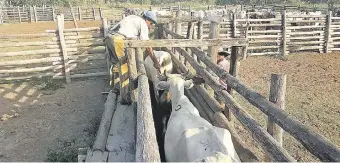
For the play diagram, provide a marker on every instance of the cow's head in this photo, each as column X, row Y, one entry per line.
column 175, row 83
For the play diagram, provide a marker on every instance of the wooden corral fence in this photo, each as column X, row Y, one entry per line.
column 194, row 57
column 175, row 8
column 185, row 52
column 61, row 54
column 281, row 35
column 49, row 13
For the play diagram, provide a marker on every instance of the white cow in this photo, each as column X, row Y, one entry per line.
column 189, row 137
column 164, row 59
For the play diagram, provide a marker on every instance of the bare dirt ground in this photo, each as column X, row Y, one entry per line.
column 312, row 96
column 56, row 121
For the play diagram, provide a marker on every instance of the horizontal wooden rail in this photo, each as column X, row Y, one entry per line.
column 184, row 43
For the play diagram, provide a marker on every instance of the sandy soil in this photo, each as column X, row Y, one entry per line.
column 49, row 120
column 312, row 96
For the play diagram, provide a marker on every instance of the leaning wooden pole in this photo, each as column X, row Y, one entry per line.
column 146, row 142
column 105, row 123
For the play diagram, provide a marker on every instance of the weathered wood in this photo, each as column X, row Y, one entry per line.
column 19, row 14
column 328, row 32
column 132, row 73
column 94, row 13
column 266, row 141
column 2, row 36
column 146, row 143
column 89, row 75
column 184, row 42
column 35, row 52
column 100, row 13
column 35, row 14
column 73, row 17
column 241, row 148
column 76, row 30
column 234, row 25
column 316, row 144
column 122, row 139
column 79, row 13
column 199, row 103
column 277, row 96
column 53, row 14
column 60, row 27
column 105, row 123
column 284, row 30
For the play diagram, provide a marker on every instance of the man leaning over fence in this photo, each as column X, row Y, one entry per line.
column 132, row 27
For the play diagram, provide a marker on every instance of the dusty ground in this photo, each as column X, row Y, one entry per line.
column 312, row 96
column 60, row 120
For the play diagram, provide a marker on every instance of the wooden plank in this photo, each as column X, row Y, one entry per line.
column 88, row 75
column 264, row 36
column 185, row 42
column 60, row 26
column 30, row 61
column 146, row 143
column 303, row 27
column 105, row 123
column 121, row 140
column 263, row 47
column 3, row 36
column 89, row 29
column 35, row 52
column 264, row 31
column 266, row 141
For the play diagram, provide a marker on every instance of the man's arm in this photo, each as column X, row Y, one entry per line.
column 153, row 58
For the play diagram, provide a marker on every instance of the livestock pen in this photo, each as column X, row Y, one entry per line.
column 205, row 103
column 208, row 106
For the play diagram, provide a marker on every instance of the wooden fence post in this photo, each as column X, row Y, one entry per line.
column 132, row 73
column 284, row 33
column 31, row 14
column 233, row 70
column 100, row 13
column 178, row 31
column 213, row 50
column 277, row 96
column 60, row 27
column 53, row 13
column 146, row 142
column 19, row 14
column 35, row 14
column 79, row 13
column 94, row 13
column 328, row 32
column 234, row 25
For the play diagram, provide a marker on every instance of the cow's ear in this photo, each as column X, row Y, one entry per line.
column 188, row 84
column 162, row 85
